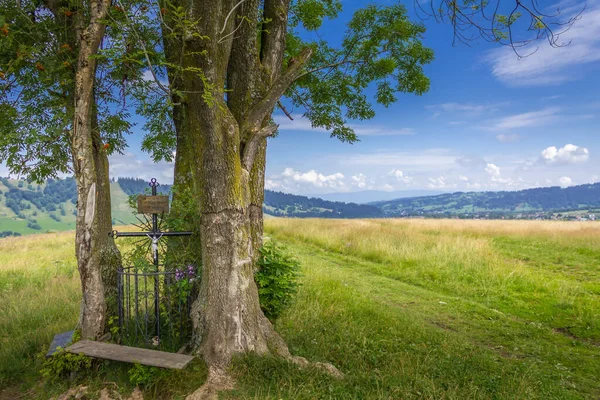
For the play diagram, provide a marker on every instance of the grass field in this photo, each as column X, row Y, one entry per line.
column 415, row 309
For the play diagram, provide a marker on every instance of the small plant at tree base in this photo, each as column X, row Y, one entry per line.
column 62, row 364
column 184, row 281
column 277, row 279
column 144, row 376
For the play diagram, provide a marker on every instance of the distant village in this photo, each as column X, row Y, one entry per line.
column 581, row 216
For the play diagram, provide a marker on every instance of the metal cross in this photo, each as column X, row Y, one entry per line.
column 154, row 235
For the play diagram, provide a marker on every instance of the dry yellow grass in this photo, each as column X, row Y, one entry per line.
column 552, row 229
column 37, row 252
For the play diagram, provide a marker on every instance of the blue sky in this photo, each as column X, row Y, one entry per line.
column 489, row 122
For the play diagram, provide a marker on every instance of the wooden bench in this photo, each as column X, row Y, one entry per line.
column 135, row 355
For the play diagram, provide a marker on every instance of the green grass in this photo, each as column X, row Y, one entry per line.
column 406, row 309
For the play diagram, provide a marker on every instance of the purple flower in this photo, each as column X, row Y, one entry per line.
column 190, row 271
column 179, row 274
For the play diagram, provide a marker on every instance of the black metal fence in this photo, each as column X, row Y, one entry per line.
column 154, row 307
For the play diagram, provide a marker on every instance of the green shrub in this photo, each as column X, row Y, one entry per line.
column 34, row 225
column 62, row 364
column 144, row 376
column 277, row 279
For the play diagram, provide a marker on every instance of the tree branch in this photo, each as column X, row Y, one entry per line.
column 262, row 109
column 286, row 112
column 337, row 64
column 229, row 15
column 251, row 147
column 463, row 16
column 145, row 51
column 274, row 33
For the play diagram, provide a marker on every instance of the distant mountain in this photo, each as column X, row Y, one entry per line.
column 551, row 199
column 370, row 196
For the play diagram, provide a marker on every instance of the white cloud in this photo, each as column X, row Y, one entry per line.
column 292, row 181
column 400, row 176
column 360, row 181
column 551, row 66
column 523, row 120
column 314, row 178
column 463, row 178
column 468, row 108
column 272, row 184
column 507, row 138
column 439, row 183
column 569, row 154
column 129, row 165
column 396, row 173
column 492, row 169
column 565, row 181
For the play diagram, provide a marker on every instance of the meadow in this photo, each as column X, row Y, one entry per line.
column 407, row 309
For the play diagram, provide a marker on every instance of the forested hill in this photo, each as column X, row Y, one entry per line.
column 139, row 186
column 28, row 207
column 289, row 205
column 281, row 204
column 551, row 199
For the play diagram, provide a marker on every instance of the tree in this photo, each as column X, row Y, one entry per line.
column 229, row 63
column 53, row 122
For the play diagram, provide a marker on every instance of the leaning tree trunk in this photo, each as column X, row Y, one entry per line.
column 93, row 247
column 109, row 257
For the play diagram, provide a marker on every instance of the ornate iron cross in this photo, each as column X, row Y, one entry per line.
column 153, row 205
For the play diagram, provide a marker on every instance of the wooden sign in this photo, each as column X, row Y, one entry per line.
column 153, row 204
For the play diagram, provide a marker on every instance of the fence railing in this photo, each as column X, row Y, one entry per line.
column 154, row 308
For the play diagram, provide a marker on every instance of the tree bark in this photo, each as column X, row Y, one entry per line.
column 221, row 154
column 97, row 255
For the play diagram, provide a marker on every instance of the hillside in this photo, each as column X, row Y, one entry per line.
column 370, row 196
column 551, row 199
column 289, row 205
column 27, row 208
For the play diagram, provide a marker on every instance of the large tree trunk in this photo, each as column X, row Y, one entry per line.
column 96, row 253
column 221, row 155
